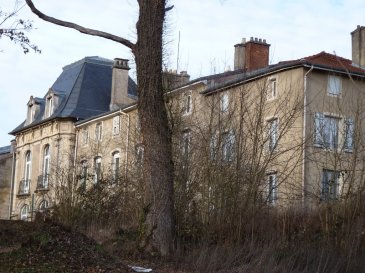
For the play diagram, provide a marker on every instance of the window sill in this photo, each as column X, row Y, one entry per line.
column 20, row 195
column 41, row 190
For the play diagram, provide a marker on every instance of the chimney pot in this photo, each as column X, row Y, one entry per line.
column 243, row 40
column 251, row 39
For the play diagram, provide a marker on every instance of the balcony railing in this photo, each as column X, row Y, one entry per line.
column 43, row 182
column 24, row 186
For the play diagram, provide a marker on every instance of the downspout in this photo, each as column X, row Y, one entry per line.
column 127, row 145
column 12, row 179
column 304, row 136
column 75, row 155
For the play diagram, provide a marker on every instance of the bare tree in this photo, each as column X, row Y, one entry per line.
column 15, row 29
column 158, row 165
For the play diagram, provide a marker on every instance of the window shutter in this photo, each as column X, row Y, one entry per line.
column 349, row 134
column 318, row 128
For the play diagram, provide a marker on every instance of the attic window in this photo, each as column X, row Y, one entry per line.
column 31, row 112
column 49, row 106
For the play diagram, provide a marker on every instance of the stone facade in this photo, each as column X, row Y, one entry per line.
column 290, row 134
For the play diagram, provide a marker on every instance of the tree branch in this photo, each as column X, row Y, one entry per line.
column 79, row 28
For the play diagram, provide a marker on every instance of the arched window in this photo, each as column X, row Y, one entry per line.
column 24, row 187
column 43, row 206
column 97, row 169
column 24, row 211
column 46, row 160
column 116, row 166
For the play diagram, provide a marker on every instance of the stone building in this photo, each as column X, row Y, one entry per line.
column 287, row 134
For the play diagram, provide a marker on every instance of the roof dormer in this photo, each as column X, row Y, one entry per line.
column 33, row 109
column 51, row 103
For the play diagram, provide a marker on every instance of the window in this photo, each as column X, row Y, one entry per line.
column 97, row 169
column 43, row 205
column 272, row 89
column 49, row 106
column 185, row 144
column 85, row 136
column 273, row 134
column 116, row 125
column 24, row 211
column 116, row 166
column 213, row 147
column 326, row 131
column 272, row 189
column 334, row 85
column 27, row 172
column 224, row 102
column 83, row 175
column 46, row 160
column 330, row 187
column 31, row 113
column 187, row 104
column 98, row 131
column 348, row 144
column 228, row 146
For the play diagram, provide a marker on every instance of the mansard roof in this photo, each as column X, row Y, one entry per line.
column 83, row 90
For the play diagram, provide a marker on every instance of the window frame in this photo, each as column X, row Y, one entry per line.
column 116, row 166
column 272, row 188
column 97, row 169
column 334, row 85
column 272, row 89
column 331, row 192
column 228, row 146
column 187, row 103
column 327, row 131
column 46, row 165
column 273, row 134
column 27, row 171
column 99, row 131
column 24, row 212
column 224, row 102
column 116, row 125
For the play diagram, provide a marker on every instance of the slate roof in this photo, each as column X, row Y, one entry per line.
column 83, row 90
column 322, row 60
column 5, row 150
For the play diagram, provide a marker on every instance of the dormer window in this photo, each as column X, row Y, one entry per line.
column 49, row 106
column 33, row 108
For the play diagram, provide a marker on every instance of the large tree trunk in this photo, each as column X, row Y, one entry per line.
column 158, row 165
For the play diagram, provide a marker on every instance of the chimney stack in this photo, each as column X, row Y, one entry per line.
column 251, row 55
column 119, row 92
column 171, row 79
column 358, row 46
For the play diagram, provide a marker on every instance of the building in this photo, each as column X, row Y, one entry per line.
column 287, row 134
column 45, row 141
column 6, row 172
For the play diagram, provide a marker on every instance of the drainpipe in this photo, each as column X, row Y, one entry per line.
column 304, row 135
column 12, row 179
column 127, row 145
column 75, row 154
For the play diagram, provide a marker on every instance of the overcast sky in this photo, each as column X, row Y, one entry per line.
column 208, row 31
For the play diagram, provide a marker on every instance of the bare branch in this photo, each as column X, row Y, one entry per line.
column 79, row 28
column 169, row 8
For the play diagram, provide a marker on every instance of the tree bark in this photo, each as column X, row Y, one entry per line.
column 158, row 165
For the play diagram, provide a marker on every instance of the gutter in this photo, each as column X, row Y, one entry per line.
column 304, row 133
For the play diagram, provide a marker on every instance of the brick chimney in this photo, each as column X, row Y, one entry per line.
column 358, row 46
column 119, row 92
column 251, row 55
